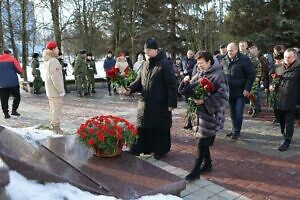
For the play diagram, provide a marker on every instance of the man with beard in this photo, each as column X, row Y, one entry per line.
column 157, row 83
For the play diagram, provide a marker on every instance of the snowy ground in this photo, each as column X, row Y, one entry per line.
column 99, row 67
column 21, row 188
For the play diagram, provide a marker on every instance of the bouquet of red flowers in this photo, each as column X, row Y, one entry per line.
column 201, row 91
column 107, row 133
column 274, row 84
column 121, row 80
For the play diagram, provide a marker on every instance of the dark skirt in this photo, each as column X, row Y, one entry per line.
column 156, row 141
column 208, row 141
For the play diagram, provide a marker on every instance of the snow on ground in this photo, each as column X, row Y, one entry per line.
column 32, row 134
column 21, row 188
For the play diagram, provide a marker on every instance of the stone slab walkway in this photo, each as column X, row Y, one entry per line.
column 251, row 168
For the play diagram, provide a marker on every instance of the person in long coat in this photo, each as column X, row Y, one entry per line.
column 157, row 83
column 287, row 96
column 210, row 111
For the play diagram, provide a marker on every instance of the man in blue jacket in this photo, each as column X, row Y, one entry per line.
column 9, row 83
column 240, row 73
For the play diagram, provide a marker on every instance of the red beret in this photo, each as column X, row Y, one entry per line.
column 51, row 45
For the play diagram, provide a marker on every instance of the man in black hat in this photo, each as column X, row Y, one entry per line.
column 157, row 83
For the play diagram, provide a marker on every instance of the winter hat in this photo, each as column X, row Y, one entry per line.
column 51, row 45
column 82, row 51
column 35, row 55
column 151, row 43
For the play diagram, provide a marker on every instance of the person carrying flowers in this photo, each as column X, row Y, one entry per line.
column 208, row 94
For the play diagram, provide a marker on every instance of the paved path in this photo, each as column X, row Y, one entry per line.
column 251, row 168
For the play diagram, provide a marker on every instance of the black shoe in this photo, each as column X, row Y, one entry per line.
column 15, row 113
column 235, row 136
column 229, row 134
column 188, row 126
column 206, row 168
column 93, row 91
column 6, row 116
column 250, row 111
column 284, row 146
column 194, row 175
column 159, row 156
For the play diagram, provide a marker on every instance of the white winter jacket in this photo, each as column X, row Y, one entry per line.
column 54, row 82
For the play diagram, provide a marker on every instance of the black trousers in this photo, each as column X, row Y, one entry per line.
column 286, row 120
column 4, row 95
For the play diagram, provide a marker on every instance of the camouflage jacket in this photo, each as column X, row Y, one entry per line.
column 91, row 67
column 35, row 64
column 80, row 66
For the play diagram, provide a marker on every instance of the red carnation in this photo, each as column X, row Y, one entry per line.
column 91, row 131
column 209, row 87
column 203, row 81
column 275, row 75
column 117, row 70
column 91, row 141
column 101, row 137
column 83, row 135
column 119, row 136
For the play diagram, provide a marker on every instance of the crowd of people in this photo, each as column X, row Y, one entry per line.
column 238, row 72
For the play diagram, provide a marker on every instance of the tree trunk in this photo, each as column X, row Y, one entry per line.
column 24, row 36
column 1, row 30
column 11, row 30
column 173, row 29
column 54, row 6
column 85, row 25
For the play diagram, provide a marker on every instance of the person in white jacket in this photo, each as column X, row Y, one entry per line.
column 54, row 84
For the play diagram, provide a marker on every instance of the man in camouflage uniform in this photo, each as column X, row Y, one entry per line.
column 64, row 69
column 37, row 82
column 91, row 72
column 80, row 72
column 261, row 71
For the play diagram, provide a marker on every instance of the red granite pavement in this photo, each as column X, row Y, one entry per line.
column 247, row 172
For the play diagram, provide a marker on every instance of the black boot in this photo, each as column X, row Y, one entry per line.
column 284, row 146
column 207, row 164
column 15, row 113
column 188, row 124
column 93, row 90
column 6, row 116
column 194, row 174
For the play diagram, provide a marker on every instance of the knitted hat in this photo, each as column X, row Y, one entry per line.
column 82, row 51
column 35, row 55
column 151, row 43
column 51, row 45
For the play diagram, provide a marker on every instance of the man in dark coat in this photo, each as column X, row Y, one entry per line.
column 287, row 96
column 157, row 83
column 189, row 63
column 240, row 74
column 108, row 64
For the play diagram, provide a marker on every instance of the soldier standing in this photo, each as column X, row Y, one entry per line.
column 80, row 72
column 64, row 69
column 91, row 72
column 37, row 82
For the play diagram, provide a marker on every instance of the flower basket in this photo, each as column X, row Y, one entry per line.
column 103, row 154
column 106, row 135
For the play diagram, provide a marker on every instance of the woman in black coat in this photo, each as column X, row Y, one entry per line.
column 210, row 111
column 157, row 83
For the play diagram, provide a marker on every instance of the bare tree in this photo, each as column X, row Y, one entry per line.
column 1, row 29
column 11, row 29
column 54, row 8
column 24, row 35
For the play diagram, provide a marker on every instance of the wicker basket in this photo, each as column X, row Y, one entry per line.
column 103, row 154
